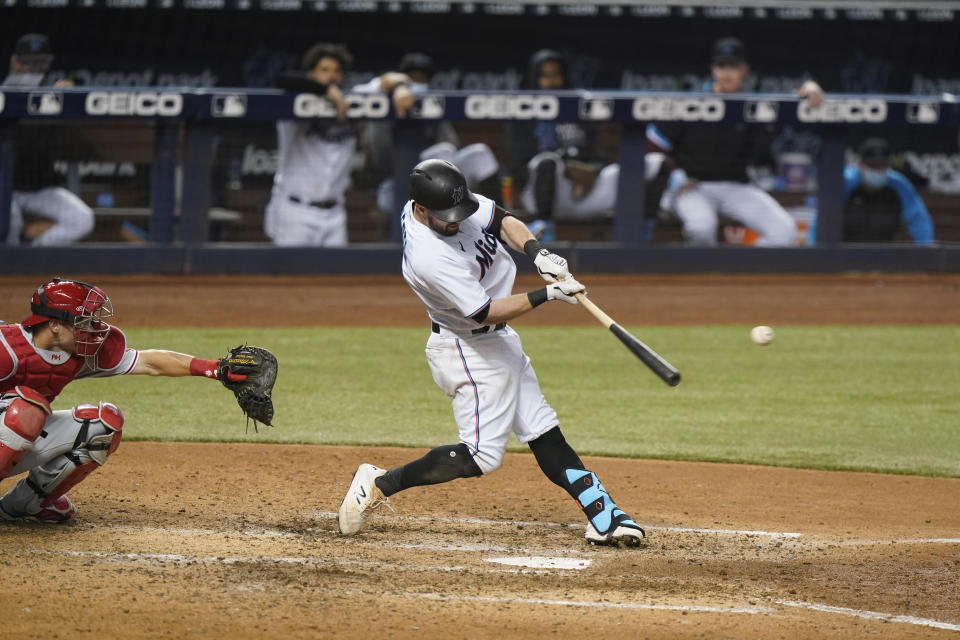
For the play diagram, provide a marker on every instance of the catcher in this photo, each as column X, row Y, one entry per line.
column 66, row 337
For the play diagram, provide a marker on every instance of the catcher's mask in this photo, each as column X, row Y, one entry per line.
column 77, row 304
column 440, row 187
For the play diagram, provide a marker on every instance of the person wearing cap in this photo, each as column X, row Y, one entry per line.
column 66, row 337
column 710, row 162
column 57, row 216
column 315, row 157
column 437, row 138
column 879, row 200
column 456, row 261
column 558, row 169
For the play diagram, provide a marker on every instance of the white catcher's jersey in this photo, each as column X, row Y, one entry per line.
column 457, row 276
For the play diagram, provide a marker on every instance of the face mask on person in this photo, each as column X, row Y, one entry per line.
column 874, row 178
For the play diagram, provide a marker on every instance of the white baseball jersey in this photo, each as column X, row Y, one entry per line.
column 482, row 369
column 314, row 159
column 457, row 276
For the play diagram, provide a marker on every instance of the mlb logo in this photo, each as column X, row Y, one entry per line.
column 44, row 104
column 761, row 111
column 596, row 109
column 429, row 108
column 923, row 113
column 229, row 106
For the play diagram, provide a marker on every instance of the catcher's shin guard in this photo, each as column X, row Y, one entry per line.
column 39, row 492
column 21, row 422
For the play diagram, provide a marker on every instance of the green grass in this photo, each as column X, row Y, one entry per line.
column 862, row 398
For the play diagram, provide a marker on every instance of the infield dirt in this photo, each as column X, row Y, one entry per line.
column 239, row 540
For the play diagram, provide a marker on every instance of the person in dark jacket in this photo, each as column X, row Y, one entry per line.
column 711, row 162
column 880, row 201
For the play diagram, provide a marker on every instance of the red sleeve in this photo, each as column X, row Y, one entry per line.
column 112, row 350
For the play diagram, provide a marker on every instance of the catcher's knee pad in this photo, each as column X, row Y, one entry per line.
column 100, row 431
column 21, row 421
column 101, row 427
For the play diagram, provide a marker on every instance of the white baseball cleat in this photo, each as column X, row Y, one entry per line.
column 362, row 497
column 625, row 534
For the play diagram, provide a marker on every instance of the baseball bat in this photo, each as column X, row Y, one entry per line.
column 666, row 371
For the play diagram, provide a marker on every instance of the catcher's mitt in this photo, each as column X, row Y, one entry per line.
column 250, row 372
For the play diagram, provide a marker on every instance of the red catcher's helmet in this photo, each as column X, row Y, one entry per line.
column 77, row 304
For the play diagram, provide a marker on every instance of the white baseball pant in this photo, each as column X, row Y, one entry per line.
column 71, row 216
column 600, row 200
column 494, row 391
column 290, row 223
column 64, row 444
column 698, row 208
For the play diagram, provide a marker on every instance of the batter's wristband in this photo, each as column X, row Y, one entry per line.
column 537, row 297
column 532, row 247
column 205, row 368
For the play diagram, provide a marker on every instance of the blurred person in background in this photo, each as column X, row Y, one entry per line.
column 711, row 160
column 557, row 167
column 438, row 138
column 879, row 201
column 315, row 156
column 61, row 217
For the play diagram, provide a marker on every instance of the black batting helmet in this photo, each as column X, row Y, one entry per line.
column 440, row 187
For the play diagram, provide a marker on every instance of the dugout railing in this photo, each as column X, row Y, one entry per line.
column 184, row 124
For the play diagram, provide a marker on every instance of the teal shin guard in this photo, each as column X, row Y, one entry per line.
column 597, row 505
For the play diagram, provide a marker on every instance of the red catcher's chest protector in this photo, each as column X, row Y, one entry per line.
column 31, row 370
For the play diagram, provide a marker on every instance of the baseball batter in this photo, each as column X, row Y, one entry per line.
column 314, row 157
column 712, row 161
column 456, row 262
column 66, row 338
column 66, row 217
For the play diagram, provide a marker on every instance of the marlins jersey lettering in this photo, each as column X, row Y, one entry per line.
column 457, row 276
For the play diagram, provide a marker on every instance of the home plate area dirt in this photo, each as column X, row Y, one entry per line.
column 195, row 540
column 211, row 540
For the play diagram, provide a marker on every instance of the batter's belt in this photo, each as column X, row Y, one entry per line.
column 316, row 204
column 485, row 329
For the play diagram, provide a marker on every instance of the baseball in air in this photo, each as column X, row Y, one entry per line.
column 762, row 335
